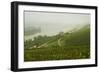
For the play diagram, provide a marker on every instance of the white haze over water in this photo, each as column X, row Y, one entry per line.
column 52, row 23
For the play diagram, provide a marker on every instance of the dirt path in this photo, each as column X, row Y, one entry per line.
column 59, row 42
column 45, row 44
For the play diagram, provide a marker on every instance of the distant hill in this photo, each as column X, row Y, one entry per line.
column 31, row 30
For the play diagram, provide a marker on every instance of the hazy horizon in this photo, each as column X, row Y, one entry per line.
column 51, row 23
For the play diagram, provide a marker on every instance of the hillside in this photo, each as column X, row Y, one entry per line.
column 69, row 45
column 79, row 37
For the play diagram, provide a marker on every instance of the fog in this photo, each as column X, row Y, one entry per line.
column 52, row 23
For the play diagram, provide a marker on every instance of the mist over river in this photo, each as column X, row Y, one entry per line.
column 51, row 23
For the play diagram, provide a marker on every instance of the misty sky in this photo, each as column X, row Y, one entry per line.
column 51, row 23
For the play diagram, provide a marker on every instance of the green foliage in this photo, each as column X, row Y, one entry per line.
column 69, row 45
column 42, row 54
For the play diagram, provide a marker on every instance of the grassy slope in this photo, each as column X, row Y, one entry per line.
column 80, row 37
column 74, row 45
